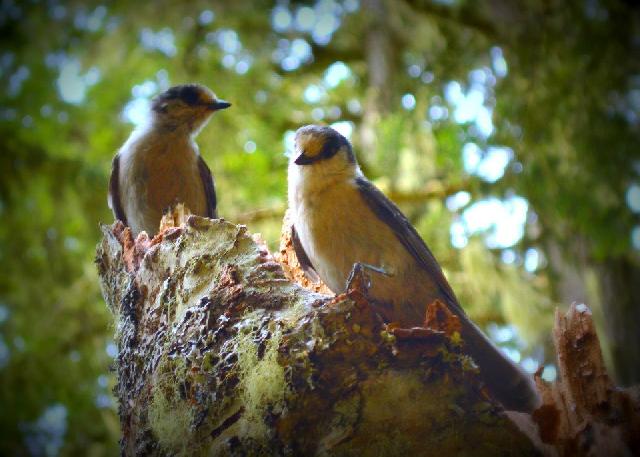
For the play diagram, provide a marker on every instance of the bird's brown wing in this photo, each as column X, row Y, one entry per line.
column 209, row 187
column 303, row 259
column 391, row 215
column 114, row 191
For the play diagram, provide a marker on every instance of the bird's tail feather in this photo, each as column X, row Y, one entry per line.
column 508, row 383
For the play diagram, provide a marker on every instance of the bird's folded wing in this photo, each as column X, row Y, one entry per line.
column 303, row 259
column 209, row 187
column 391, row 215
column 114, row 191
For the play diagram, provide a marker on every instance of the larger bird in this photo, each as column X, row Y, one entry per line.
column 340, row 219
column 160, row 166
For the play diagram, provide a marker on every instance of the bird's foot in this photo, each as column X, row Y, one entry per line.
column 376, row 269
column 358, row 284
column 359, row 279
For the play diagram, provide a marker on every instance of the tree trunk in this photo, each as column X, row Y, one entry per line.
column 220, row 353
column 619, row 281
column 378, row 50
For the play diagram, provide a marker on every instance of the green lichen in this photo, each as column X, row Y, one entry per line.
column 294, row 313
column 262, row 382
column 170, row 417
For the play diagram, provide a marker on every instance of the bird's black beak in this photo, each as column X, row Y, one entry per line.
column 218, row 104
column 303, row 159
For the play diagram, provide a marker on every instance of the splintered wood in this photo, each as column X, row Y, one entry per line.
column 292, row 270
column 133, row 250
column 583, row 412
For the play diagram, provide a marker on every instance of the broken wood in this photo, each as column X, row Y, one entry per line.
column 583, row 412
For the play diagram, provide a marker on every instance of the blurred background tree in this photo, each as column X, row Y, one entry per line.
column 507, row 131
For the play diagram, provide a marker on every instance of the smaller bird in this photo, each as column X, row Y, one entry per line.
column 340, row 220
column 159, row 165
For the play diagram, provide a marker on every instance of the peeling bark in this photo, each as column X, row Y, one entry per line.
column 222, row 351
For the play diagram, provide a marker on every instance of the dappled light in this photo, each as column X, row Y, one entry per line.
column 511, row 143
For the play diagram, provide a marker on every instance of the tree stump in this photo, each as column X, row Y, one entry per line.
column 221, row 354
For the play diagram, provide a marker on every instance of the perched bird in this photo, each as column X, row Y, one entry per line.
column 341, row 219
column 160, row 166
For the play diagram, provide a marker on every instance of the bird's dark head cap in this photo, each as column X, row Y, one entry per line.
column 319, row 142
column 190, row 95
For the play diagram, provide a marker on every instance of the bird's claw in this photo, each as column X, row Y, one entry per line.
column 375, row 269
column 358, row 285
column 358, row 278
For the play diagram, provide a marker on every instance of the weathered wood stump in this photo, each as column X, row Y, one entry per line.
column 221, row 352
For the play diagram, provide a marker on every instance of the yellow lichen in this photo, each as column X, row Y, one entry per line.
column 291, row 315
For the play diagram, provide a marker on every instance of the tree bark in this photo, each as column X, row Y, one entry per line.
column 619, row 284
column 222, row 352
